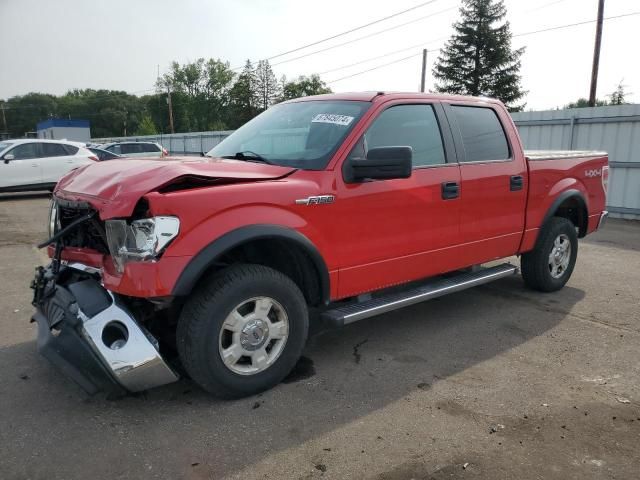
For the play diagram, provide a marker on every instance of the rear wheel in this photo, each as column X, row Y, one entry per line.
column 549, row 265
column 242, row 331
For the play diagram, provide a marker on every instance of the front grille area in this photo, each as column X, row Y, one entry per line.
column 90, row 234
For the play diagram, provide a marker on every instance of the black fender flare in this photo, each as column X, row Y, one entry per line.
column 564, row 196
column 208, row 255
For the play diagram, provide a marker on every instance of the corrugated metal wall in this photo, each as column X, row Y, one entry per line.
column 615, row 129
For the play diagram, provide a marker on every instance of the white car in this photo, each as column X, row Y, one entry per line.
column 35, row 164
column 136, row 149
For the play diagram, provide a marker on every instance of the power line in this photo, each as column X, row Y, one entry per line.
column 376, row 68
column 365, row 36
column 515, row 35
column 346, row 32
column 382, row 56
column 575, row 24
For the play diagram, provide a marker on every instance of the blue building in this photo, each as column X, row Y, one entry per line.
column 61, row 129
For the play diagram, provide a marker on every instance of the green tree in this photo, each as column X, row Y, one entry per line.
column 584, row 103
column 478, row 58
column 146, row 126
column 267, row 88
column 618, row 96
column 242, row 98
column 303, row 86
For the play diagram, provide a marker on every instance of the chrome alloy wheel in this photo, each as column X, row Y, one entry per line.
column 253, row 335
column 560, row 256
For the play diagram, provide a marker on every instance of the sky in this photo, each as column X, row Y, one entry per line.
column 52, row 46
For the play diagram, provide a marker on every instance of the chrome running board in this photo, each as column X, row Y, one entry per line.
column 433, row 288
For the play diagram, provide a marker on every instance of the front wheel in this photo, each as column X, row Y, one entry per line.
column 549, row 265
column 242, row 330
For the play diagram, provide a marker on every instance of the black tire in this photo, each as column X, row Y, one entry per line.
column 203, row 316
column 536, row 270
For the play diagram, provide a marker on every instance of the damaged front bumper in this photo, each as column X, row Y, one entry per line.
column 90, row 335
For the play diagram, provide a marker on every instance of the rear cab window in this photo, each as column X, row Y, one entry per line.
column 482, row 135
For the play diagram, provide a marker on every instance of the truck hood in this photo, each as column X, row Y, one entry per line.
column 115, row 186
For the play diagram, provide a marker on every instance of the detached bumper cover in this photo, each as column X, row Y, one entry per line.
column 91, row 338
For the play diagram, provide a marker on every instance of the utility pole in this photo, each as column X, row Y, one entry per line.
column 424, row 69
column 596, row 55
column 170, row 109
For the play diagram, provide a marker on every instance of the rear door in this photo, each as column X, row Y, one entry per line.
column 493, row 175
column 393, row 231
column 55, row 161
column 23, row 169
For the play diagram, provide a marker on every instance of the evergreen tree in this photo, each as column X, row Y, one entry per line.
column 146, row 126
column 242, row 98
column 618, row 97
column 267, row 88
column 478, row 59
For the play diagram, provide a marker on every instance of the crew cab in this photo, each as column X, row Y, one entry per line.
column 327, row 208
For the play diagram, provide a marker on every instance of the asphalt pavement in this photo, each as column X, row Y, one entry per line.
column 496, row 382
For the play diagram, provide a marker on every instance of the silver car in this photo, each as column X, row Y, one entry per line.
column 136, row 149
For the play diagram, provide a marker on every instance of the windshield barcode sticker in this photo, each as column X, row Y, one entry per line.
column 343, row 120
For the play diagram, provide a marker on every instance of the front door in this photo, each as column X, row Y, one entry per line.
column 391, row 231
column 23, row 169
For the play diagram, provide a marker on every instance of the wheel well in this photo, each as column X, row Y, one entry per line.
column 574, row 210
column 286, row 256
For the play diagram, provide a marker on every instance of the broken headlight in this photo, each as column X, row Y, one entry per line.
column 139, row 240
column 54, row 218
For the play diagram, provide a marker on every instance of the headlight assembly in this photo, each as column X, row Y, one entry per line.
column 139, row 240
column 54, row 218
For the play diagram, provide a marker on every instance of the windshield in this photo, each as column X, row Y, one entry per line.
column 301, row 135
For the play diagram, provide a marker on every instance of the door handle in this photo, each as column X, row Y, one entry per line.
column 516, row 183
column 450, row 190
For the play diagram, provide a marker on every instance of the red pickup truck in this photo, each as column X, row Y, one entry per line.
column 345, row 206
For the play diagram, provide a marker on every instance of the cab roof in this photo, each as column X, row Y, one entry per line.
column 384, row 96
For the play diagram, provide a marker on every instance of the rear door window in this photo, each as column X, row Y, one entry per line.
column 482, row 134
column 150, row 147
column 131, row 148
column 71, row 149
column 53, row 150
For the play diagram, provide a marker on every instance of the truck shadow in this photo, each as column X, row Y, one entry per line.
column 347, row 375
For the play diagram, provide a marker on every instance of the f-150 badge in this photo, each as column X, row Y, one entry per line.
column 316, row 200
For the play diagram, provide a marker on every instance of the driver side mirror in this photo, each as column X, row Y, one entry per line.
column 381, row 163
column 8, row 157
